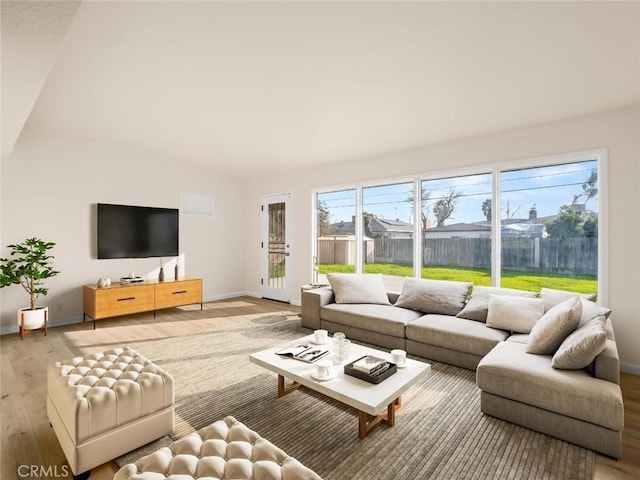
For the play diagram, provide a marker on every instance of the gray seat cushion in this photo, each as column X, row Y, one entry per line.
column 385, row 319
column 455, row 333
column 510, row 372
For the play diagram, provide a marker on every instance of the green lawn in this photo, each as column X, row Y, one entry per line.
column 480, row 276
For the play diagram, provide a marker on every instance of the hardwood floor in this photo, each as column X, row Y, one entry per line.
column 30, row 449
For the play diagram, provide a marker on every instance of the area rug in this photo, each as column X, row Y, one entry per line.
column 440, row 432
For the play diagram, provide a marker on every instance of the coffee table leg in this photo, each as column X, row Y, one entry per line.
column 365, row 425
column 283, row 389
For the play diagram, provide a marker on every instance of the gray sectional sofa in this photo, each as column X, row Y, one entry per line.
column 546, row 361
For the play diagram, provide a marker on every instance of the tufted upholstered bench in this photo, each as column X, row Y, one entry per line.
column 106, row 404
column 225, row 450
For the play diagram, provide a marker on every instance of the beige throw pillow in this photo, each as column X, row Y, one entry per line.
column 592, row 310
column 358, row 288
column 554, row 326
column 514, row 314
column 553, row 297
column 478, row 305
column 580, row 348
column 433, row 296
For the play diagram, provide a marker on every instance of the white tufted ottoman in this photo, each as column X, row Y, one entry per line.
column 107, row 404
column 225, row 450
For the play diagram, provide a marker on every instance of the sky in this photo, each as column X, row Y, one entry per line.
column 547, row 188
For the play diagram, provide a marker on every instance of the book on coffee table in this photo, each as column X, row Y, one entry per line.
column 311, row 354
column 293, row 350
column 370, row 364
column 303, row 351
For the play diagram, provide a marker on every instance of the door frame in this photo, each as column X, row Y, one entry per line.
column 282, row 294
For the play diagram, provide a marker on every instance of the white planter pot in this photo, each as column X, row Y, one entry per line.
column 33, row 319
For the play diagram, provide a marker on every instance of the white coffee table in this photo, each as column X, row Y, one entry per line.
column 375, row 403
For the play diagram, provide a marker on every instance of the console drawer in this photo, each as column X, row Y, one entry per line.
column 182, row 292
column 119, row 300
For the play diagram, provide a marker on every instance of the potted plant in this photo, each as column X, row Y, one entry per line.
column 29, row 265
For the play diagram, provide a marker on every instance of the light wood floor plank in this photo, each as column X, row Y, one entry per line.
column 27, row 438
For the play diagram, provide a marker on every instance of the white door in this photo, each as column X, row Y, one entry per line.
column 276, row 248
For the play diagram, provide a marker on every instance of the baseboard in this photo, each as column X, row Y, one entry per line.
column 226, row 296
column 630, row 368
column 59, row 322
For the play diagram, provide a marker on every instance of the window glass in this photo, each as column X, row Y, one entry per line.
column 336, row 233
column 456, row 230
column 549, row 227
column 388, row 231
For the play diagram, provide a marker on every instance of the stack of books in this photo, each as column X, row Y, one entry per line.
column 371, row 365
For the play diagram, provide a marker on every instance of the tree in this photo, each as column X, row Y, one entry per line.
column 29, row 265
column 426, row 196
column 366, row 221
column 510, row 213
column 324, row 227
column 486, row 209
column 589, row 188
column 567, row 224
column 590, row 226
column 445, row 206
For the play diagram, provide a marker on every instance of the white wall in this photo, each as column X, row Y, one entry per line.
column 50, row 185
column 617, row 130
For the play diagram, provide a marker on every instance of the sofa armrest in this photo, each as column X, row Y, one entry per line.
column 312, row 301
column 607, row 364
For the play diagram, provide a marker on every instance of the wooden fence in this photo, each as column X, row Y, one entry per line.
column 577, row 256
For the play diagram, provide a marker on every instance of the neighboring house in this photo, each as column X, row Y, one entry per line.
column 532, row 227
column 378, row 227
column 466, row 230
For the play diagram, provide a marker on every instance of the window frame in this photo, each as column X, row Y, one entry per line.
column 495, row 169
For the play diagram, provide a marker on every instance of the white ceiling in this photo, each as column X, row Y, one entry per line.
column 253, row 87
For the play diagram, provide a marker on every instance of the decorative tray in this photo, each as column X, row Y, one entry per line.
column 349, row 370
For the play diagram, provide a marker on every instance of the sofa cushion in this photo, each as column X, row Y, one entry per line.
column 554, row 326
column 510, row 372
column 515, row 314
column 581, row 347
column 355, row 288
column 433, row 296
column 478, row 305
column 385, row 319
column 592, row 310
column 455, row 333
column 552, row 297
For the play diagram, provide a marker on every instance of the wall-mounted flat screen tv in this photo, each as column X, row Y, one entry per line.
column 127, row 231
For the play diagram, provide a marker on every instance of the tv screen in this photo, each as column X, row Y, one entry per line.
column 127, row 231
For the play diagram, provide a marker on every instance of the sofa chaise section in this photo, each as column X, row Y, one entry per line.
column 524, row 389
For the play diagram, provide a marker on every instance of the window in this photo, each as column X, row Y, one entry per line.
column 456, row 233
column 526, row 225
column 387, row 231
column 549, row 227
column 335, row 233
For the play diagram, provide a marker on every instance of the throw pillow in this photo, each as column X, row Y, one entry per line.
column 580, row 348
column 433, row 296
column 358, row 288
column 553, row 297
column 592, row 310
column 478, row 305
column 554, row 326
column 514, row 314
